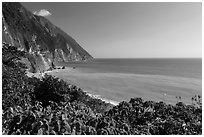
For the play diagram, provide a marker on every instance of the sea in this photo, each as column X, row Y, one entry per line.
column 117, row 80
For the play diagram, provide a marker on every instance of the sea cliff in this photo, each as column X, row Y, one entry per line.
column 43, row 42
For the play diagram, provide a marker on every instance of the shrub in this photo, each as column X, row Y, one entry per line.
column 51, row 103
column 15, row 87
column 49, row 89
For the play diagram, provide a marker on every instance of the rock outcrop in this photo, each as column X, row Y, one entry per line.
column 43, row 42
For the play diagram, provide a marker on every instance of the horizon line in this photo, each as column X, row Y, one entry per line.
column 153, row 58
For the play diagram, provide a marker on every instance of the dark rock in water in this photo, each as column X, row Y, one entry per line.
column 44, row 43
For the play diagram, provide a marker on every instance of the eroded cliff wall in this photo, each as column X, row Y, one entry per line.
column 43, row 42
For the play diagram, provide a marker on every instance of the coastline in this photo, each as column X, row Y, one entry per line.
column 121, row 87
column 116, row 87
column 41, row 74
column 103, row 99
column 70, row 69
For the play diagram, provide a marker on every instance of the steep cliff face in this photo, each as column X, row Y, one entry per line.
column 44, row 43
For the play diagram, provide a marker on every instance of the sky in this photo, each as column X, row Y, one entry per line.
column 129, row 30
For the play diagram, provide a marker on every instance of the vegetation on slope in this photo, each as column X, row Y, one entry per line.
column 50, row 106
column 15, row 87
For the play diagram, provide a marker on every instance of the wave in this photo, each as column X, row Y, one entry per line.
column 101, row 98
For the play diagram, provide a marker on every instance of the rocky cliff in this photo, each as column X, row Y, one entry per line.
column 44, row 43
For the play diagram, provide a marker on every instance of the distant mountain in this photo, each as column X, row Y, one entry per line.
column 44, row 43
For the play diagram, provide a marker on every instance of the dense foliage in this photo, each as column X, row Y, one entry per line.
column 50, row 106
column 15, row 87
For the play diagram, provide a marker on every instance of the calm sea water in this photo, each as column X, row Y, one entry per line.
column 191, row 68
column 151, row 79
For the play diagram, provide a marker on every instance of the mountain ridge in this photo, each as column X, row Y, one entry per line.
column 44, row 42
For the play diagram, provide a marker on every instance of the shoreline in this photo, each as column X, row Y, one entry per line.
column 49, row 72
column 41, row 74
column 112, row 87
column 115, row 103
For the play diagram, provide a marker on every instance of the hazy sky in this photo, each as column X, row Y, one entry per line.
column 130, row 30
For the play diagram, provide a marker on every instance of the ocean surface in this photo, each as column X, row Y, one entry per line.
column 152, row 79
